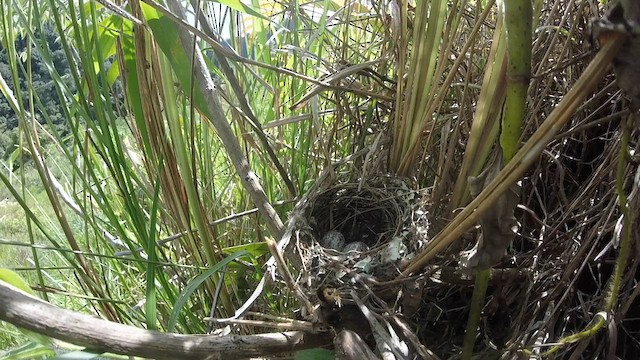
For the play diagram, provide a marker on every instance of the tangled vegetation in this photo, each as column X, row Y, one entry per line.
column 200, row 152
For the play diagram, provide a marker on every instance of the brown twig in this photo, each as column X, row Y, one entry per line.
column 28, row 312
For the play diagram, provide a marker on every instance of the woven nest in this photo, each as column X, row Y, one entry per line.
column 355, row 239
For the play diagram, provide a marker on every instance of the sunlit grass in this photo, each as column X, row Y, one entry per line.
column 144, row 156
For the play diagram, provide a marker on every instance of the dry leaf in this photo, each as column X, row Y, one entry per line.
column 499, row 225
column 624, row 17
column 350, row 346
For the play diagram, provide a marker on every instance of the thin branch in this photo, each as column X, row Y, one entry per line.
column 30, row 313
column 218, row 119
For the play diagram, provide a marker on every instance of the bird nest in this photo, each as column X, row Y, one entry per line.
column 354, row 241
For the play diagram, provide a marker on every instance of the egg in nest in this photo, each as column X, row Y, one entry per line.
column 333, row 240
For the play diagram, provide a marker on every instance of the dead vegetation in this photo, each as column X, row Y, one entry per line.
column 574, row 261
column 557, row 274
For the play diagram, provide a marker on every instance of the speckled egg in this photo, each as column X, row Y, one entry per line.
column 358, row 246
column 333, row 240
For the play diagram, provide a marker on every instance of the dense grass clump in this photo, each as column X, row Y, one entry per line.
column 190, row 147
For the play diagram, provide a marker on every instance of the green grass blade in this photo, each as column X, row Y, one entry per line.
column 195, row 284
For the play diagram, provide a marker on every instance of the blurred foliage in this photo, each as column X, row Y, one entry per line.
column 42, row 84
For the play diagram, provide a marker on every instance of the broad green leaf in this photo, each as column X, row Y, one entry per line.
column 133, row 92
column 194, row 284
column 151, row 295
column 253, row 249
column 13, row 279
column 315, row 354
column 241, row 7
column 78, row 355
column 28, row 351
column 109, row 30
column 166, row 35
